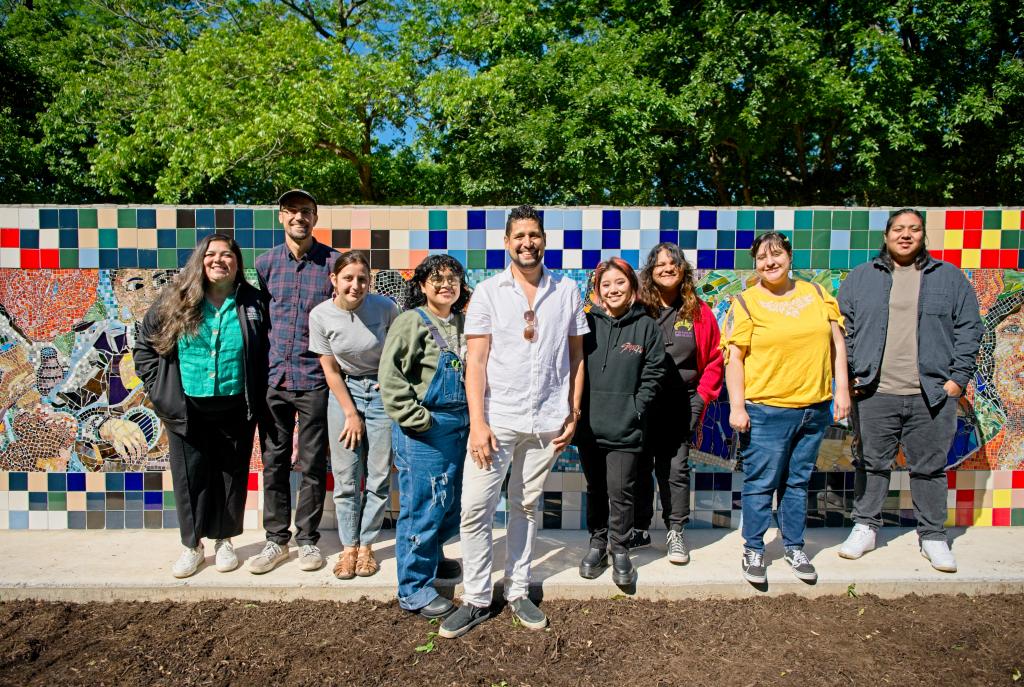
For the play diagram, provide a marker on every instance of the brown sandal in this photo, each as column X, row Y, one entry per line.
column 366, row 565
column 345, row 568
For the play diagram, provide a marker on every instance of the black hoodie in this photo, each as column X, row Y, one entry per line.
column 624, row 361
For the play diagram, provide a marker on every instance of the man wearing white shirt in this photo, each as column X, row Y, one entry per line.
column 524, row 381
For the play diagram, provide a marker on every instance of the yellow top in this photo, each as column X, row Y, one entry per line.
column 786, row 343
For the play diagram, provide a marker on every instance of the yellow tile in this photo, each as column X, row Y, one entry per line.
column 990, row 238
column 88, row 238
column 37, row 481
column 419, row 219
column 970, row 259
column 457, row 219
column 1011, row 219
column 950, row 517
column 1001, row 498
column 953, row 239
column 399, row 259
column 127, row 238
column 341, row 218
column 147, row 238
column 398, row 219
column 166, row 218
column 95, row 481
column 76, row 500
column 106, row 217
column 983, row 517
column 379, row 218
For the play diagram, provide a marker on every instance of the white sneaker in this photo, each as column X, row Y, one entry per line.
column 310, row 557
column 860, row 541
column 189, row 561
column 937, row 551
column 226, row 558
column 267, row 559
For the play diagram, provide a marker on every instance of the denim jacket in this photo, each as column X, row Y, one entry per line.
column 949, row 327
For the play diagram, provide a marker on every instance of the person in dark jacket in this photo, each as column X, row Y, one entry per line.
column 201, row 353
column 912, row 336
column 624, row 357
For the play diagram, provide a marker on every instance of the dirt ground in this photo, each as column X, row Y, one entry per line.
column 864, row 640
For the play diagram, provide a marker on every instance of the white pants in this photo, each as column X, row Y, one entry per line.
column 530, row 457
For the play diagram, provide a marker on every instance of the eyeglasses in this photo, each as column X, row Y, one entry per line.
column 305, row 212
column 530, row 331
column 437, row 280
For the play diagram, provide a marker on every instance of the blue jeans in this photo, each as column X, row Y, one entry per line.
column 430, row 466
column 779, row 454
column 360, row 509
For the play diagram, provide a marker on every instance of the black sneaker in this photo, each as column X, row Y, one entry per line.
column 464, row 619
column 528, row 614
column 638, row 540
column 448, row 569
column 593, row 564
column 753, row 567
column 801, row 565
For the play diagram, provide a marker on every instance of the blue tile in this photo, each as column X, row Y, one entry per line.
column 669, row 220
column 76, row 481
column 18, row 520
column 744, row 239
column 108, row 259
column 146, row 219
column 476, row 219
column 630, row 219
column 115, row 481
column 725, row 239
column 245, row 238
column 29, row 238
column 591, row 258
column 707, row 219
column 133, row 520
column 877, row 220
column 649, row 239
column 727, row 219
column 76, row 520
column 722, row 481
column 705, row 259
column 203, row 233
column 419, row 239
column 668, row 236
column 278, row 236
column 495, row 219
column 689, row 239
column 56, row 481
column 459, row 255
column 17, row 481
column 611, row 219
column 553, row 259
column 704, row 481
column 170, row 519
column 765, row 219
column 632, row 256
column 572, row 219
column 458, row 240
column 89, row 258
column 495, row 259
column 477, row 240
column 37, row 500
column 707, row 240
column 153, row 500
column 68, row 238
column 572, row 239
column 243, row 219
column 183, row 255
column 115, row 520
column 95, row 501
column 437, row 239
column 839, row 240
column 264, row 238
column 609, row 253
column 133, row 500
column 205, row 218
column 591, row 240
column 166, row 238
column 610, row 238
column 553, row 219
column 126, row 257
column 133, row 481
column 49, row 219
column 68, row 219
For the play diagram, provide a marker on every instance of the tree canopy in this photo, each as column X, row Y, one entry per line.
column 866, row 102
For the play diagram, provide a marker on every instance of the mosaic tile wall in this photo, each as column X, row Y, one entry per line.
column 78, row 279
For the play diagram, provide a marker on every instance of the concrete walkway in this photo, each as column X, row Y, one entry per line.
column 134, row 565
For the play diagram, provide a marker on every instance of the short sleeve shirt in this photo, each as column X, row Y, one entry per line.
column 527, row 381
column 354, row 337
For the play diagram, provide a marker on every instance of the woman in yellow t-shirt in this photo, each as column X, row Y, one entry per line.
column 783, row 342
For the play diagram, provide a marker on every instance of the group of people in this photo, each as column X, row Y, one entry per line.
column 459, row 399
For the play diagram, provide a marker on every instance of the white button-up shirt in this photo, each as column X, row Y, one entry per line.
column 527, row 382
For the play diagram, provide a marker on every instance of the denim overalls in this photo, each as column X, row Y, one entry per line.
column 430, row 478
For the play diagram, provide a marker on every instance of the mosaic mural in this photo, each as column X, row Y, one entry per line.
column 74, row 282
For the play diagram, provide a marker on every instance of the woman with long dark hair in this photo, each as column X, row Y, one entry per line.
column 201, row 353
column 424, row 392
column 693, row 379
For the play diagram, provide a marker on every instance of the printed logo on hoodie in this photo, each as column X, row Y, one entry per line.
column 636, row 349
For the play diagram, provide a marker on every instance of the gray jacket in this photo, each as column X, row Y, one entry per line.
column 949, row 327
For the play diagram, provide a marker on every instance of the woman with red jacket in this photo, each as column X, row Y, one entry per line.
column 694, row 380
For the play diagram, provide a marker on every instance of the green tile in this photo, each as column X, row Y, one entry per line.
column 801, row 259
column 822, row 219
column 859, row 239
column 169, row 502
column 438, row 220
column 859, row 257
column 108, row 238
column 744, row 261
column 261, row 251
column 263, row 219
column 249, row 256
column 821, row 240
column 477, row 259
column 859, row 219
column 277, row 222
column 746, row 220
column 875, row 238
column 185, row 238
column 993, row 219
column 167, row 259
column 69, row 258
column 1010, row 238
column 839, row 259
column 1017, row 516
column 126, row 218
column 803, row 219
column 788, row 233
column 87, row 218
column 841, row 219
column 57, row 500
column 819, row 259
column 802, row 239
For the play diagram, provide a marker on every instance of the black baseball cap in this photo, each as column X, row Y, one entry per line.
column 296, row 192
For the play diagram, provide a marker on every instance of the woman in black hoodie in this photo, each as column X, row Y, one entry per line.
column 623, row 355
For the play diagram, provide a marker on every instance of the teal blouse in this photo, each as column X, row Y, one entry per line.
column 211, row 362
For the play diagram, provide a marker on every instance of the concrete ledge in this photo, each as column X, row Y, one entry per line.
column 110, row 565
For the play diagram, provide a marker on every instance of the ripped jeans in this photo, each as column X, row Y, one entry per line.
column 430, row 468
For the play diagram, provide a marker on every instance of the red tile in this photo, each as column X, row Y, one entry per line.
column 49, row 258
column 254, row 481
column 951, row 256
column 330, row 483
column 954, row 219
column 951, row 480
column 990, row 259
column 10, row 238
column 964, row 497
column 1008, row 259
column 1018, row 479
column 964, row 517
column 1000, row 517
column 972, row 239
column 973, row 219
column 29, row 258
column 937, row 254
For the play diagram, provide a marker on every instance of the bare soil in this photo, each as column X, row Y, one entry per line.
column 948, row 640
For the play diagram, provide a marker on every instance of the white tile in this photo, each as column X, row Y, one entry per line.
column 57, row 520
column 28, row 218
column 37, row 520
column 496, row 239
column 983, row 479
column 17, row 500
column 784, row 218
column 3, row 520
column 691, row 256
column 572, row 259
column 9, row 257
column 250, row 521
column 553, row 482
column 555, row 238
column 630, row 239
column 688, row 219
column 571, row 520
column 572, row 500
column 650, row 219
column 399, row 239
column 9, row 218
column 591, row 219
column 49, row 238
column 3, row 500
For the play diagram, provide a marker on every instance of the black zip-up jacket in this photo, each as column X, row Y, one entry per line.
column 161, row 375
column 948, row 325
column 625, row 364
